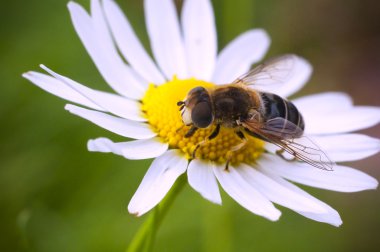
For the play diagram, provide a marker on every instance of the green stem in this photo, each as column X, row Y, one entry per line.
column 144, row 238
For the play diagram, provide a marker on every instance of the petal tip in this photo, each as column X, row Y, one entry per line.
column 135, row 214
column 263, row 32
column 51, row 72
column 214, row 201
column 27, row 75
column 69, row 107
column 375, row 184
column 72, row 4
column 263, row 35
column 305, row 64
column 133, row 211
column 91, row 145
column 43, row 67
column 219, row 202
column 338, row 223
column 370, row 184
column 274, row 216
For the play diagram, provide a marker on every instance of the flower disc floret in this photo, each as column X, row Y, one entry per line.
column 159, row 106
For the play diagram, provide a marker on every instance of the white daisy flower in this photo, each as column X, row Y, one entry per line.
column 144, row 108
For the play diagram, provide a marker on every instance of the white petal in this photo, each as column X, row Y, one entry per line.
column 278, row 193
column 200, row 38
column 129, row 44
column 165, row 37
column 348, row 147
column 202, row 179
column 323, row 103
column 118, row 105
column 104, row 145
column 158, row 180
column 120, row 126
column 98, row 44
column 238, row 56
column 356, row 118
column 142, row 149
column 106, row 42
column 245, row 194
column 291, row 75
column 330, row 216
column 134, row 150
column 341, row 179
column 56, row 87
column 330, row 113
column 302, row 71
column 100, row 25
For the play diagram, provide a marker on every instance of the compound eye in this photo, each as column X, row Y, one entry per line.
column 202, row 115
column 196, row 91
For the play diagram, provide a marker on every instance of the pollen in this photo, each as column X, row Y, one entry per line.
column 160, row 108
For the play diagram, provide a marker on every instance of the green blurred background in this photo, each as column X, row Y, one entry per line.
column 56, row 196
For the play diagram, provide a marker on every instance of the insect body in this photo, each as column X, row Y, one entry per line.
column 247, row 109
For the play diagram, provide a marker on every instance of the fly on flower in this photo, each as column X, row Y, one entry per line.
column 264, row 115
column 186, row 57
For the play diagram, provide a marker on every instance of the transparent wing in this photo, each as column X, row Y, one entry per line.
column 305, row 149
column 271, row 75
column 289, row 138
column 282, row 128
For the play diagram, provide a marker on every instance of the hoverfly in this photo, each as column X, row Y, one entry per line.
column 245, row 106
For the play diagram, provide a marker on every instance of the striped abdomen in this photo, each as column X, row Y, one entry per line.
column 275, row 106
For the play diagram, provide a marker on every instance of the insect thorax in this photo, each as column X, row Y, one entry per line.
column 231, row 104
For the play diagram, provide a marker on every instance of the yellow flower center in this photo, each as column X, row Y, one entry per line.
column 160, row 107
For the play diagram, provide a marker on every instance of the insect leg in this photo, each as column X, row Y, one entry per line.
column 213, row 134
column 236, row 147
column 177, row 130
column 191, row 131
column 281, row 153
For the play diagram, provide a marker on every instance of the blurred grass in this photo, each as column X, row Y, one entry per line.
column 56, row 196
